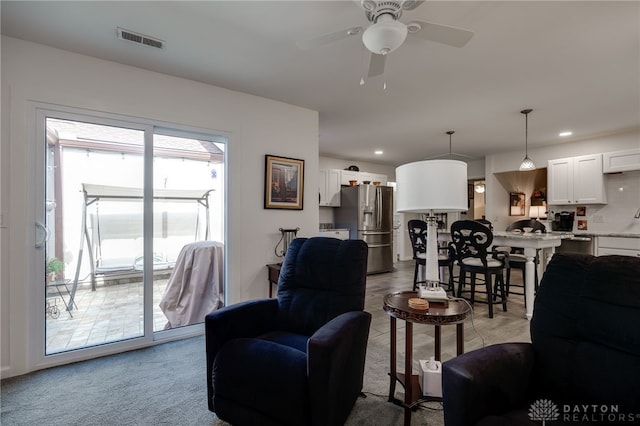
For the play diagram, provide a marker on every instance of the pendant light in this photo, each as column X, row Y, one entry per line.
column 450, row 132
column 527, row 164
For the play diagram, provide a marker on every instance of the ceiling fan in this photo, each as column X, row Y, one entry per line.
column 386, row 33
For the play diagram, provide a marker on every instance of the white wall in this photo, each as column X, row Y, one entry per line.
column 617, row 214
column 255, row 126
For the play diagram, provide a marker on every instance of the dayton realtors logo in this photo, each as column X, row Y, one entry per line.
column 545, row 410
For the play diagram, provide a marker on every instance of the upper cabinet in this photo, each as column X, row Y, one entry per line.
column 621, row 161
column 329, row 190
column 361, row 177
column 576, row 180
column 330, row 181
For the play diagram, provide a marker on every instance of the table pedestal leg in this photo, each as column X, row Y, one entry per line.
column 392, row 370
column 437, row 343
column 529, row 270
column 408, row 372
column 459, row 339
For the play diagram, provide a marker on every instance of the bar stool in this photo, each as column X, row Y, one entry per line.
column 472, row 240
column 418, row 237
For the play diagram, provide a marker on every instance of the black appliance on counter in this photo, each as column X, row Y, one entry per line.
column 563, row 221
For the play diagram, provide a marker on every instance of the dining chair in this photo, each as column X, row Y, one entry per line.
column 517, row 260
column 474, row 255
column 485, row 222
column 418, row 236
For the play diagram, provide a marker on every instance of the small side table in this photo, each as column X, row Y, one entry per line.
column 397, row 307
column 274, row 274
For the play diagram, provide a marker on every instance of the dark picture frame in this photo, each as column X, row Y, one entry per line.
column 283, row 183
column 517, row 201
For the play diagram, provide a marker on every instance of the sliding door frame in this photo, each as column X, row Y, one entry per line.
column 37, row 114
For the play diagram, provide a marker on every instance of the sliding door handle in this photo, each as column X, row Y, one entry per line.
column 45, row 237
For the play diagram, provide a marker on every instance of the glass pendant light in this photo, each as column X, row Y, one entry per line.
column 527, row 163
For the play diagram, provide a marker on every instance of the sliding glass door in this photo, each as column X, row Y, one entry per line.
column 125, row 202
column 188, row 183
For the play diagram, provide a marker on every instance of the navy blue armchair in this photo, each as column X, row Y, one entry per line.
column 582, row 365
column 297, row 359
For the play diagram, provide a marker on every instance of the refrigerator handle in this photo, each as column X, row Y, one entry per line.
column 378, row 207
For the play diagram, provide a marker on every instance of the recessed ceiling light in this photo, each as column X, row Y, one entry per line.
column 378, row 152
column 567, row 133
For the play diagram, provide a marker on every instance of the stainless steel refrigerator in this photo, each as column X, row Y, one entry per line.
column 367, row 211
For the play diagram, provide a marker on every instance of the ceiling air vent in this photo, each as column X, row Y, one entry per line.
column 138, row 38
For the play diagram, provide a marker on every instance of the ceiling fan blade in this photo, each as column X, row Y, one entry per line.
column 439, row 33
column 376, row 64
column 411, row 4
column 329, row 38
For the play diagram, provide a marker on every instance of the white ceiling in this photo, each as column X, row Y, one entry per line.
column 576, row 63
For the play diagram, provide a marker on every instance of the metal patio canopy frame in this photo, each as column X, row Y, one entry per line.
column 93, row 193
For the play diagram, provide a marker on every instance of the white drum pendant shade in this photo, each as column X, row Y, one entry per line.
column 438, row 186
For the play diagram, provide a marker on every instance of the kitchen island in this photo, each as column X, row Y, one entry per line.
column 530, row 243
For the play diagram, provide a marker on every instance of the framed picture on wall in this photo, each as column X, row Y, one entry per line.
column 516, row 203
column 283, row 183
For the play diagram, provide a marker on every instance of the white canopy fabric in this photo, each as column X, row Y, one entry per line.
column 94, row 193
column 124, row 193
column 195, row 286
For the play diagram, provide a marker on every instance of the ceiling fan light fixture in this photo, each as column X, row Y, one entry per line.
column 384, row 36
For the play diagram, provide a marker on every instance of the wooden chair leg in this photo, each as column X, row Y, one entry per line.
column 461, row 281
column 415, row 276
column 502, row 292
column 488, row 284
column 473, row 288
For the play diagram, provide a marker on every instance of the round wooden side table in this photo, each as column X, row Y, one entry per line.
column 439, row 313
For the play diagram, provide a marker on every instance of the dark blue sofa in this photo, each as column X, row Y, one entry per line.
column 583, row 365
column 298, row 359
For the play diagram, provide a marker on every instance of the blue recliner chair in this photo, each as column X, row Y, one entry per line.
column 582, row 365
column 298, row 359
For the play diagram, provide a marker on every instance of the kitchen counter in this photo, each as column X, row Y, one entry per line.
column 340, row 233
column 607, row 234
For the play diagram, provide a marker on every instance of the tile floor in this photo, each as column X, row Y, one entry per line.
column 112, row 312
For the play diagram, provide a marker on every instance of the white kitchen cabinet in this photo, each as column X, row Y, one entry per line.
column 329, row 183
column 361, row 177
column 618, row 245
column 347, row 175
column 341, row 234
column 373, row 177
column 576, row 180
column 621, row 161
